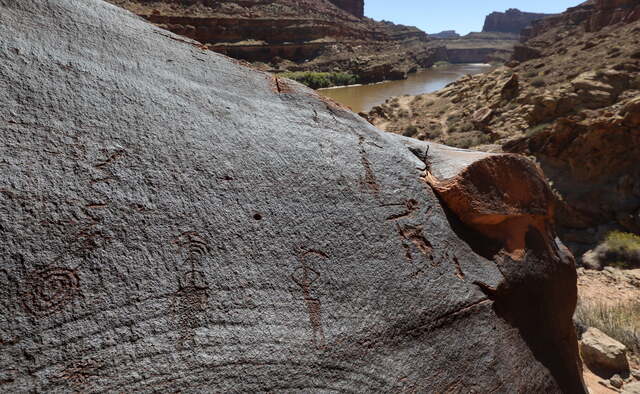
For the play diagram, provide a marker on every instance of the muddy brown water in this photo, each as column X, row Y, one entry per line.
column 364, row 97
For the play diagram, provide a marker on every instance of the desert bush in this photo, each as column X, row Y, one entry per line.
column 538, row 83
column 467, row 140
column 410, row 131
column 318, row 80
column 619, row 321
column 536, row 129
column 620, row 250
column 433, row 134
column 441, row 63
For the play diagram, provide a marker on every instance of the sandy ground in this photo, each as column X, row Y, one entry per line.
column 608, row 286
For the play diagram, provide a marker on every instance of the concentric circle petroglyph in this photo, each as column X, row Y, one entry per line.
column 48, row 291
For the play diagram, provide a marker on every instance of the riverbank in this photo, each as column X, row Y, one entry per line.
column 364, row 97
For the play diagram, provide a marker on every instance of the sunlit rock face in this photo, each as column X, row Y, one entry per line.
column 511, row 21
column 174, row 221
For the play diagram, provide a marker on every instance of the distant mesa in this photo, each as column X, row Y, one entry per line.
column 445, row 34
column 511, row 21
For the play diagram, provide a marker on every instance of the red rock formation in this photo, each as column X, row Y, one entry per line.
column 593, row 15
column 511, row 21
column 501, row 204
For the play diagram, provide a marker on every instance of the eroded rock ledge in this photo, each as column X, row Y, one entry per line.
column 173, row 221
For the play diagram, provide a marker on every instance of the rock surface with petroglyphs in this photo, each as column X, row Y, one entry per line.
column 174, row 221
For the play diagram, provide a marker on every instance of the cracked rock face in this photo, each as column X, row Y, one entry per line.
column 173, row 221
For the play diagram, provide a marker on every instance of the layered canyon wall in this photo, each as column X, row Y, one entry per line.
column 355, row 7
column 511, row 21
column 590, row 16
column 296, row 35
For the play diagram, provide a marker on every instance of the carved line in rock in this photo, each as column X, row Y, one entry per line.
column 369, row 180
column 78, row 374
column 279, row 85
column 191, row 300
column 87, row 238
column 48, row 291
column 104, row 165
column 304, row 276
column 195, row 246
column 410, row 207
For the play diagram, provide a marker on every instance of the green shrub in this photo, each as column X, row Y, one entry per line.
column 441, row 63
column 318, row 80
column 536, row 129
column 623, row 241
column 622, row 250
column 468, row 140
column 619, row 321
column 410, row 131
column 433, row 134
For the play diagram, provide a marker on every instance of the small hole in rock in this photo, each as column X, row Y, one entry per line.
column 257, row 216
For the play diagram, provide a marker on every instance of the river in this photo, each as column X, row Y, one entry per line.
column 364, row 97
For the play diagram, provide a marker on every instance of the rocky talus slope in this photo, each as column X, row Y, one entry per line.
column 174, row 221
column 571, row 100
column 294, row 35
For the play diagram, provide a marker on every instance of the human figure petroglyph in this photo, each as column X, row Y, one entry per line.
column 305, row 276
column 191, row 300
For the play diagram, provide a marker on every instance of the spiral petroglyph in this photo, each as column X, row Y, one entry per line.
column 48, row 291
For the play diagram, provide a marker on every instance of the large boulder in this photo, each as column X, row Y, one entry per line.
column 603, row 355
column 171, row 220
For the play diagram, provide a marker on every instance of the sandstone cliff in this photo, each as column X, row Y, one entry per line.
column 296, row 35
column 571, row 102
column 355, row 7
column 591, row 16
column 174, row 221
column 479, row 47
column 511, row 21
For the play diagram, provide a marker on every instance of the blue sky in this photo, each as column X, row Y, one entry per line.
column 463, row 16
